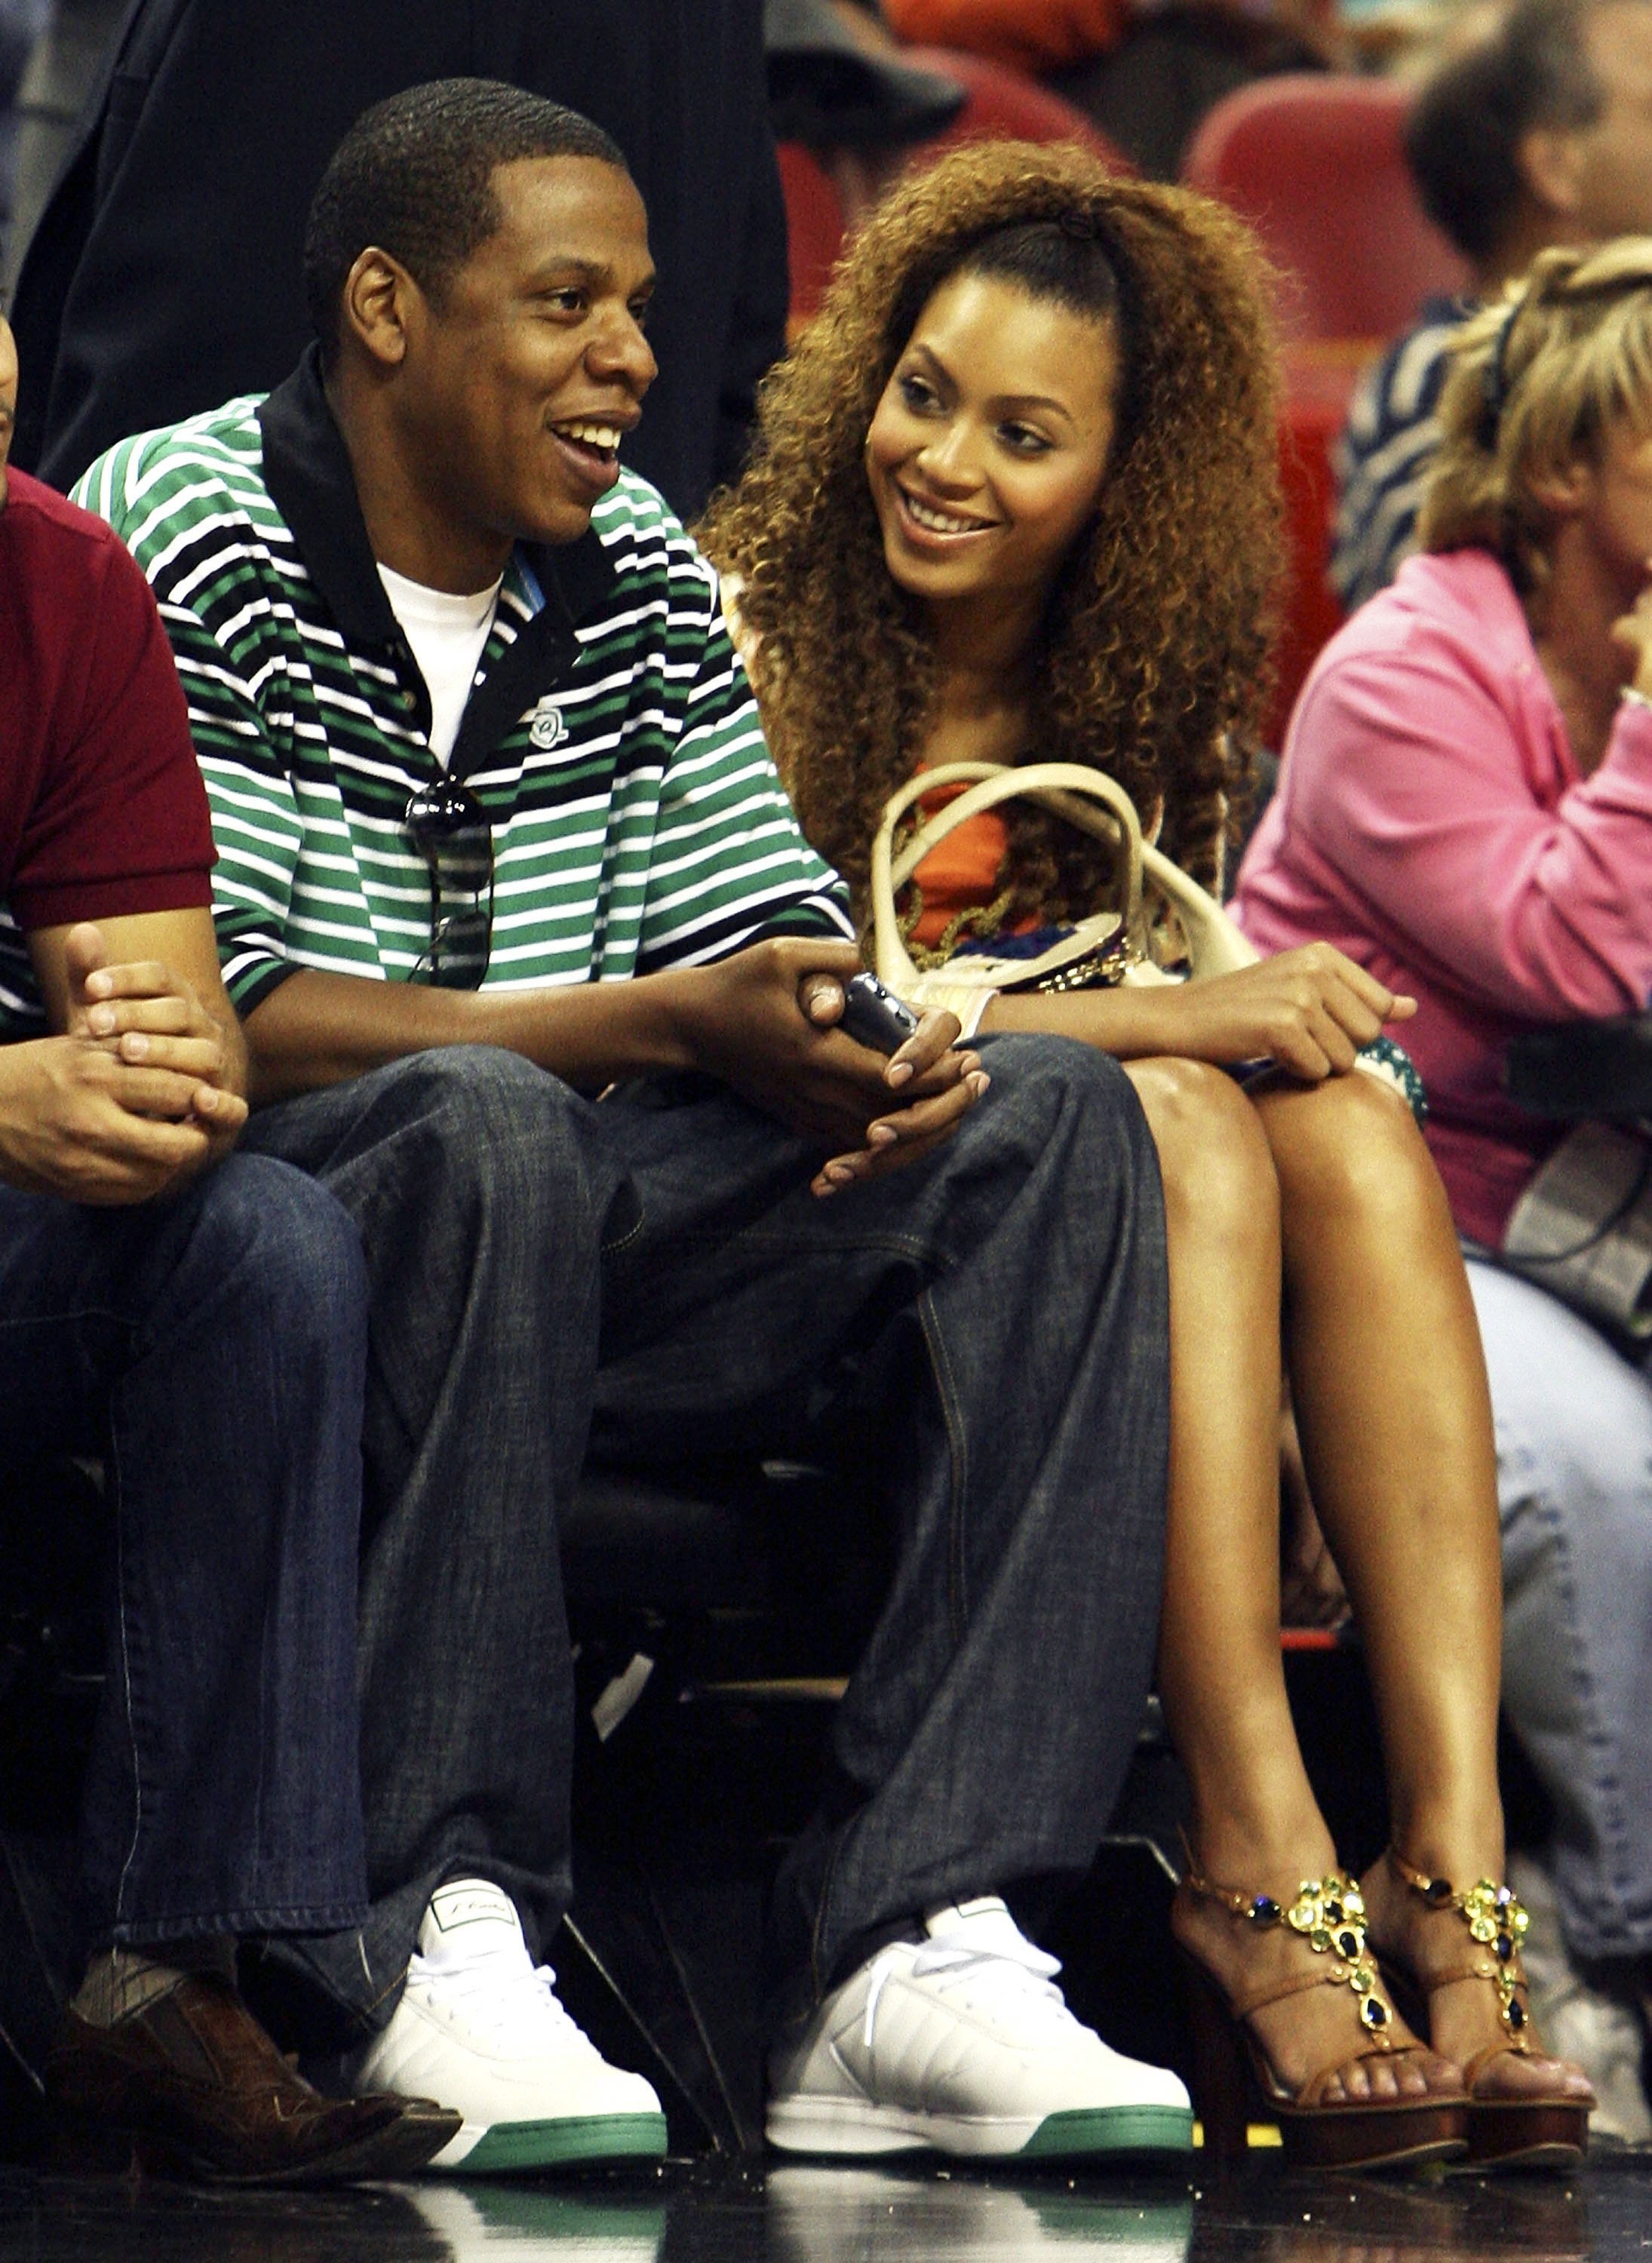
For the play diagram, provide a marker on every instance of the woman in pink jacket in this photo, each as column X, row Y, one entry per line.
column 1466, row 808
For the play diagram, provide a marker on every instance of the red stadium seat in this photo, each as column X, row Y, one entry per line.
column 1004, row 105
column 814, row 227
column 1316, row 164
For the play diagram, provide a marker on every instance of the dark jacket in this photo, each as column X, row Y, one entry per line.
column 164, row 277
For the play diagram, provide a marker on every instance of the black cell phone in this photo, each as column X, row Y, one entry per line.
column 874, row 1016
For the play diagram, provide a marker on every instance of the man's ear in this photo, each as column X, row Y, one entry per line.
column 1550, row 161
column 376, row 304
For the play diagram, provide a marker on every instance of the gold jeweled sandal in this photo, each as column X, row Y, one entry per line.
column 1231, row 2071
column 1534, row 2132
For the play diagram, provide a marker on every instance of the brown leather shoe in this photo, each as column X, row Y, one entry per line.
column 194, row 2083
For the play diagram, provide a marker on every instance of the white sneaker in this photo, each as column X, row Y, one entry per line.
column 478, row 2028
column 962, row 2044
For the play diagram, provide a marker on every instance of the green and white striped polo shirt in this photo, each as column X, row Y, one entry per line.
column 638, row 820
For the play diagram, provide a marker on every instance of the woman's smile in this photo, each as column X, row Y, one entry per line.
column 987, row 450
column 922, row 517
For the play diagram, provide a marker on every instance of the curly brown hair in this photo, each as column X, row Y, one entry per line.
column 1155, row 662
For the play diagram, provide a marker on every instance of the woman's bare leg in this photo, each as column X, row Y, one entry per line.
column 1256, row 1823
column 1389, row 1386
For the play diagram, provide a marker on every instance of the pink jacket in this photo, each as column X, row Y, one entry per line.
column 1432, row 822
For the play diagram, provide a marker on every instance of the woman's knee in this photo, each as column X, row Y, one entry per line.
column 1213, row 1157
column 1350, row 1147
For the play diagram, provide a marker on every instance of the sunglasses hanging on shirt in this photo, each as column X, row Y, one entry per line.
column 449, row 827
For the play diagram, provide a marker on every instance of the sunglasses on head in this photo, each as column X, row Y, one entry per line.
column 449, row 827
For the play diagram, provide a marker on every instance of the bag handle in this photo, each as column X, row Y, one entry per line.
column 1086, row 797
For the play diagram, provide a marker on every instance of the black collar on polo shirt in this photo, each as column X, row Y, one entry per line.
column 307, row 471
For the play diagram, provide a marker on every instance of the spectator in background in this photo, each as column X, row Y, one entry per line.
column 64, row 64
column 19, row 20
column 1145, row 70
column 837, row 84
column 1536, row 129
column 197, row 1320
column 1465, row 806
column 163, row 277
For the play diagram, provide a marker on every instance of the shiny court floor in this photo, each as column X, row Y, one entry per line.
column 728, row 2212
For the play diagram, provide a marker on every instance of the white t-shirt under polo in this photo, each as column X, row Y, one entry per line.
column 447, row 634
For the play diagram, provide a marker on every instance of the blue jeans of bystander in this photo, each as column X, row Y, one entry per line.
column 1574, row 1423
column 210, row 1348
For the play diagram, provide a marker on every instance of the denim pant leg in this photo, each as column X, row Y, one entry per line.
column 210, row 1348
column 480, row 1193
column 1573, row 1425
column 989, row 1723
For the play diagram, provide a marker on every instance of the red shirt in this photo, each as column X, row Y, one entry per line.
column 102, row 809
column 1028, row 35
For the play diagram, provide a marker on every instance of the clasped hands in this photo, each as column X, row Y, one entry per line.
column 131, row 1099
column 765, row 1023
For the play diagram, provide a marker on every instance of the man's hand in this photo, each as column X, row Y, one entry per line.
column 148, row 1017
column 764, row 1021
column 76, row 1121
column 132, row 1099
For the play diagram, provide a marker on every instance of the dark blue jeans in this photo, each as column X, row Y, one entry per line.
column 210, row 1348
column 653, row 1271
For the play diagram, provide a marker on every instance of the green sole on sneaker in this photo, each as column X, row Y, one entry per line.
column 1111, row 2130
column 857, row 2129
column 563, row 2143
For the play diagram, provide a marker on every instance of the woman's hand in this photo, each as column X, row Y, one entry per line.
column 1632, row 635
column 1310, row 1010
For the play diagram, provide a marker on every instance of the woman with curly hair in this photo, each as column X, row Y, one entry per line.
column 1015, row 498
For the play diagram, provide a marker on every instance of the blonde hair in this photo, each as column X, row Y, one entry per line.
column 1155, row 652
column 1537, row 381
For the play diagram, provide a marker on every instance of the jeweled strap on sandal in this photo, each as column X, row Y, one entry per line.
column 1328, row 1915
column 1496, row 1925
column 1525, row 2130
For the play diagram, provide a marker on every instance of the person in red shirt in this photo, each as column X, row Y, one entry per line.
column 196, row 1320
column 1145, row 70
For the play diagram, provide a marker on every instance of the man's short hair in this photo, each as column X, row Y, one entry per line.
column 414, row 176
column 1464, row 135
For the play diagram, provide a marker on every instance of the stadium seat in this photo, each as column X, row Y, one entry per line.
column 1005, row 105
column 1002, row 105
column 814, row 227
column 1317, row 164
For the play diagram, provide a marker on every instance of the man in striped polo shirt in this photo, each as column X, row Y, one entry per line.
column 498, row 831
